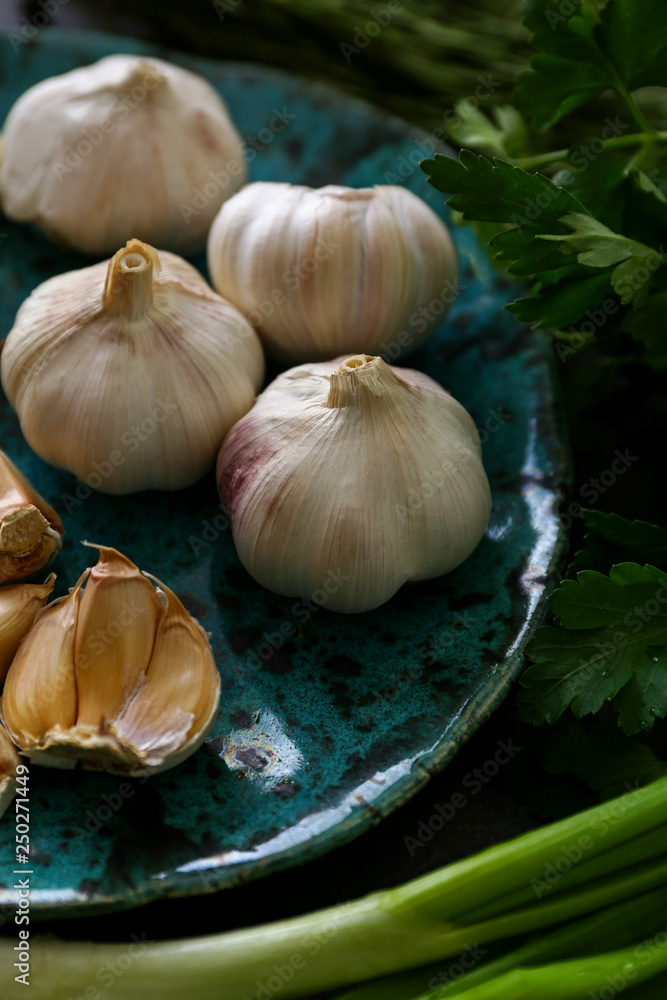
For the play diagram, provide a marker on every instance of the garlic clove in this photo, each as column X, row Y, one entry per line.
column 349, row 478
column 173, row 709
column 141, row 367
column 109, row 678
column 117, row 620
column 9, row 761
column 30, row 529
column 129, row 145
column 19, row 605
column 39, row 701
column 322, row 271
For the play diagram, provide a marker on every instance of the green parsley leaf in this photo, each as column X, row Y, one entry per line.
column 645, row 694
column 502, row 133
column 612, row 539
column 561, row 305
column 645, row 210
column 599, row 184
column 609, row 630
column 633, row 36
column 569, row 68
column 598, row 246
column 501, row 192
column 578, row 59
column 648, row 325
column 607, row 760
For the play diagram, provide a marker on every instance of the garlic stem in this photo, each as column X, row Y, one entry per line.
column 360, row 378
column 128, row 288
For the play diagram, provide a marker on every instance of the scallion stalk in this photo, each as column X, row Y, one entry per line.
column 386, row 932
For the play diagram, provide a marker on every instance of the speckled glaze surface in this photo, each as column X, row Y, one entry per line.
column 334, row 721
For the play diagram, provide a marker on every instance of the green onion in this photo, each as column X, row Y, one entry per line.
column 612, row 928
column 425, row 920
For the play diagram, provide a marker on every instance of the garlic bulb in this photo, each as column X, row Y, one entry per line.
column 30, row 529
column 9, row 761
column 320, row 272
column 19, row 605
column 112, row 677
column 130, row 146
column 348, row 479
column 129, row 373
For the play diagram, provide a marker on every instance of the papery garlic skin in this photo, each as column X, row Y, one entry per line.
column 9, row 761
column 30, row 529
column 137, row 701
column 19, row 605
column 323, row 271
column 348, row 479
column 129, row 373
column 120, row 149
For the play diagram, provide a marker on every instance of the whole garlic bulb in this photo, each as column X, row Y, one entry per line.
column 30, row 530
column 112, row 676
column 129, row 373
column 322, row 271
column 348, row 479
column 130, row 146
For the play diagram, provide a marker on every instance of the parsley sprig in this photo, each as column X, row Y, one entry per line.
column 585, row 230
column 596, row 230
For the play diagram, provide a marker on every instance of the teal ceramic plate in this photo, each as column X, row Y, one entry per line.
column 327, row 722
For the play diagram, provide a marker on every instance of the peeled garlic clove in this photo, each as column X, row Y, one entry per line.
column 9, row 761
column 322, row 271
column 19, row 605
column 348, row 479
column 172, row 711
column 129, row 373
column 117, row 620
column 111, row 679
column 39, row 701
column 127, row 146
column 30, row 529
